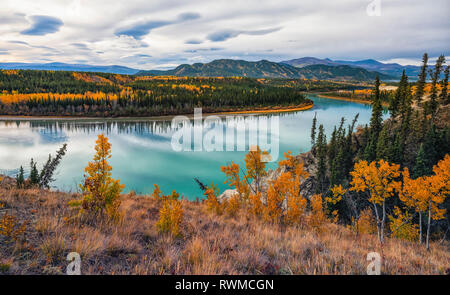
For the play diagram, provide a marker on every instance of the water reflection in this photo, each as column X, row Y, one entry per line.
column 141, row 149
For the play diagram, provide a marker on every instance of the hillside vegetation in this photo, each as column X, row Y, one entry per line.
column 210, row 244
column 109, row 95
column 268, row 69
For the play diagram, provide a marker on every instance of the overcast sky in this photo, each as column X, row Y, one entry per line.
column 150, row 34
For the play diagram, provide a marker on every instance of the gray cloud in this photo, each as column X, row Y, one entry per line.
column 81, row 46
column 193, row 41
column 139, row 30
column 321, row 28
column 223, row 35
column 43, row 25
column 18, row 42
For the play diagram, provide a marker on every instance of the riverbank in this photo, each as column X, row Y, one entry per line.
column 265, row 110
column 385, row 104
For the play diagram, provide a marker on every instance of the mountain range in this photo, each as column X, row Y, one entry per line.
column 392, row 69
column 268, row 69
column 58, row 66
column 306, row 67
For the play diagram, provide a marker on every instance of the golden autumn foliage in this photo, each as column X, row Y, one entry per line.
column 232, row 205
column 282, row 203
column 10, row 98
column 211, row 201
column 439, row 187
column 234, row 180
column 170, row 217
column 255, row 163
column 428, row 86
column 378, row 178
column 401, row 226
column 91, row 78
column 157, row 194
column 275, row 196
column 10, row 72
column 255, row 205
column 317, row 217
column 170, row 211
column 101, row 192
column 365, row 224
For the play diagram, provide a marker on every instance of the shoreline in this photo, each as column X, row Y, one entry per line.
column 155, row 118
column 349, row 99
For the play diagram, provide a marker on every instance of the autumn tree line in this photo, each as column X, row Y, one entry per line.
column 25, row 92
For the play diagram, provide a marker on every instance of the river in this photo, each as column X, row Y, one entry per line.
column 144, row 151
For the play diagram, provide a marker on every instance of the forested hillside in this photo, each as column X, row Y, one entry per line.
column 104, row 95
column 268, row 69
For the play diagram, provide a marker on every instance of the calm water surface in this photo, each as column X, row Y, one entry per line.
column 142, row 152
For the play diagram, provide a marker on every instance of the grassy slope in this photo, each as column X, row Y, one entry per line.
column 210, row 244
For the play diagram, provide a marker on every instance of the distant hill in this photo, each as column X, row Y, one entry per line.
column 392, row 69
column 268, row 69
column 57, row 66
column 308, row 61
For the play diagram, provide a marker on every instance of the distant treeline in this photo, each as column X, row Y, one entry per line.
column 26, row 92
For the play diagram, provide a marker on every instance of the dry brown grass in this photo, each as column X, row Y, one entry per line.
column 210, row 244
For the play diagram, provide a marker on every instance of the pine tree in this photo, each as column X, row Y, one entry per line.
column 375, row 124
column 20, row 179
column 396, row 99
column 321, row 158
column 434, row 80
column 421, row 168
column 46, row 175
column 444, row 94
column 313, row 130
column 34, row 174
column 422, row 79
column 383, row 146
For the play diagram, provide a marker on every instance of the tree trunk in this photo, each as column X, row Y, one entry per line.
column 357, row 226
column 378, row 222
column 382, row 222
column 428, row 228
column 420, row 227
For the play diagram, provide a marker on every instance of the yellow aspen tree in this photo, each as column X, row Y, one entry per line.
column 414, row 194
column 401, row 225
column 317, row 216
column 378, row 179
column 275, row 196
column 157, row 194
column 255, row 166
column 212, row 204
column 295, row 202
column 255, row 204
column 439, row 189
column 234, row 180
column 170, row 217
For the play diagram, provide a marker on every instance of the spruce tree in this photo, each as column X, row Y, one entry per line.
column 383, row 146
column 34, row 174
column 444, row 93
column 375, row 124
column 434, row 80
column 20, row 179
column 396, row 99
column 313, row 130
column 321, row 159
column 422, row 79
column 421, row 168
